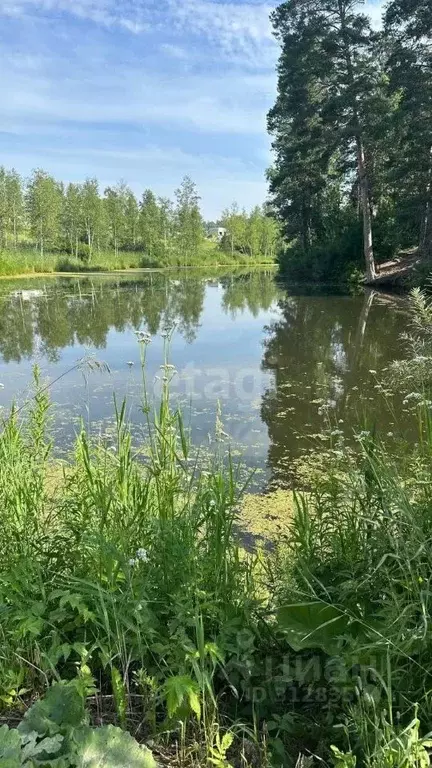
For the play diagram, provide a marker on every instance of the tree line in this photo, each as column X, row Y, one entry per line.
column 78, row 220
column 352, row 132
column 253, row 234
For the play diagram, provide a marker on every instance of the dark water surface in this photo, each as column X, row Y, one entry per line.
column 282, row 363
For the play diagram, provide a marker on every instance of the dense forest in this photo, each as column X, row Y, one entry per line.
column 42, row 215
column 352, row 135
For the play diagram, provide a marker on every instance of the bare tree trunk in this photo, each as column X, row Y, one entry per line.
column 89, row 243
column 425, row 243
column 366, row 213
column 15, row 229
column 306, row 236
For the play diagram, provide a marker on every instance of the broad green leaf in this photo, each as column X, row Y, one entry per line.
column 110, row 747
column 62, row 706
column 314, row 625
column 10, row 748
column 42, row 751
column 194, row 703
column 180, row 689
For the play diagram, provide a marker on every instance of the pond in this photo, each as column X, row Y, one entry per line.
column 280, row 364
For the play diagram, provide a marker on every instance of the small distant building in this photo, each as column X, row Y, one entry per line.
column 216, row 233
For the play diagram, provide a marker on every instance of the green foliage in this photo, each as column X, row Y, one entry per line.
column 109, row 747
column 129, row 572
column 328, row 261
column 219, row 750
column 118, row 567
column 188, row 224
column 72, row 228
column 44, row 200
column 54, row 732
column 255, row 235
column 182, row 696
column 314, row 625
column 61, row 709
column 351, row 135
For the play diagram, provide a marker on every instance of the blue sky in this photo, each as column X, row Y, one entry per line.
column 141, row 90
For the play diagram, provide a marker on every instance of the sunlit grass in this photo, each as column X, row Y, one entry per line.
column 29, row 261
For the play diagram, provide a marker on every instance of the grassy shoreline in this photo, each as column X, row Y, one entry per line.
column 23, row 263
column 140, row 270
column 127, row 598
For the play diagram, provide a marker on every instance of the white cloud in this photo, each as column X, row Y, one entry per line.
column 234, row 28
column 104, row 12
column 174, row 51
column 237, row 31
column 130, row 95
column 97, row 107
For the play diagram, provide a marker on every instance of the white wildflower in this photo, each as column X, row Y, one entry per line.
column 132, row 562
column 142, row 555
column 363, row 435
column 412, row 396
column 143, row 337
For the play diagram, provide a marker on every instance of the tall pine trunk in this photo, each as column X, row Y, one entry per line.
column 425, row 243
column 366, row 213
column 361, row 163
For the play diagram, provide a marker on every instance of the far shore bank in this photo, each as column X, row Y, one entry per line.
column 136, row 270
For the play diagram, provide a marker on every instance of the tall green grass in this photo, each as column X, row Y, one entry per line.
column 124, row 567
column 27, row 261
column 122, row 563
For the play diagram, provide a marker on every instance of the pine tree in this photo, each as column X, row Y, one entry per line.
column 408, row 27
column 327, row 73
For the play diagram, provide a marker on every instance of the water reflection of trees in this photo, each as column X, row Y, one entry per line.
column 322, row 350
column 38, row 317
column 254, row 292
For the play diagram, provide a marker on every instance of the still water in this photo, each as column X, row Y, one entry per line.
column 280, row 363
